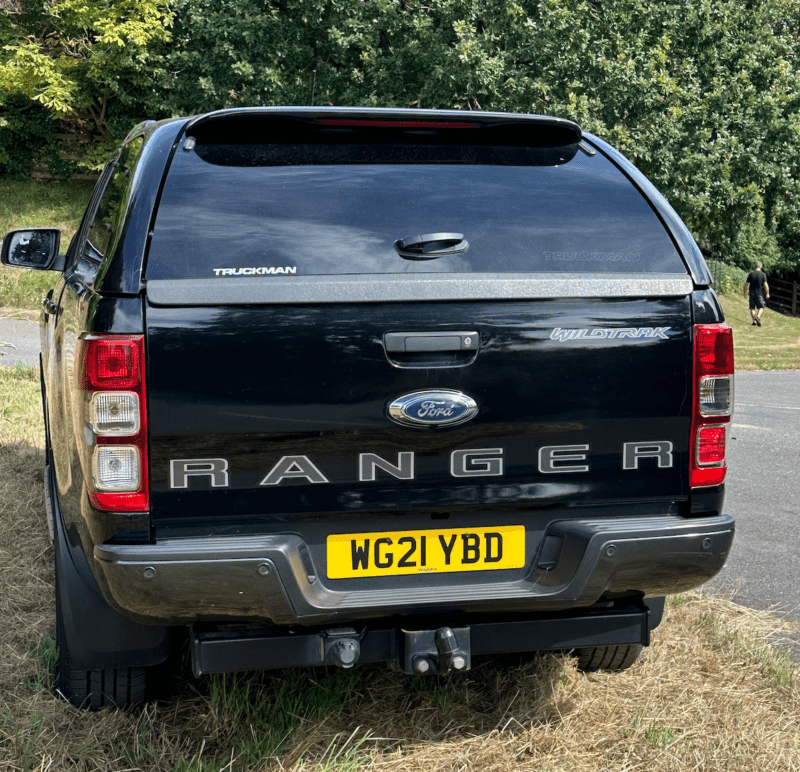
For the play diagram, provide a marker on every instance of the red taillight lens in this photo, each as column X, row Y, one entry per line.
column 111, row 374
column 711, row 441
column 111, row 364
column 714, row 349
column 712, row 403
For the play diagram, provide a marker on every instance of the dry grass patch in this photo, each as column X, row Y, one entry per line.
column 709, row 694
column 706, row 696
column 698, row 700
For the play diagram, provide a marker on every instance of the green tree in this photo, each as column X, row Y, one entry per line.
column 85, row 60
column 703, row 95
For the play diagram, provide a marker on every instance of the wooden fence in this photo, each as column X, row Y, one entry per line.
column 784, row 294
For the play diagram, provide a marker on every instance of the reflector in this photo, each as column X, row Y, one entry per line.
column 711, row 441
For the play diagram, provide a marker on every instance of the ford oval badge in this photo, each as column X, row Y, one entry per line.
column 434, row 407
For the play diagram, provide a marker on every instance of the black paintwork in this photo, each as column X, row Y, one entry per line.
column 123, row 273
column 215, row 392
column 253, row 383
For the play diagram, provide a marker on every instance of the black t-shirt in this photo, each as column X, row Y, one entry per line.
column 757, row 280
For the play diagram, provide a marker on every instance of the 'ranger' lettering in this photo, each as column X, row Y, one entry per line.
column 466, row 463
column 292, row 467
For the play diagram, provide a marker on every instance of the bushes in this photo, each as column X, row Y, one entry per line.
column 28, row 133
column 729, row 278
column 703, row 96
column 89, row 63
column 755, row 242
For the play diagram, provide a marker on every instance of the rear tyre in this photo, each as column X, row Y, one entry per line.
column 612, row 658
column 95, row 689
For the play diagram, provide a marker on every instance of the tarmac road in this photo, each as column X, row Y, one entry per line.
column 19, row 342
column 763, row 491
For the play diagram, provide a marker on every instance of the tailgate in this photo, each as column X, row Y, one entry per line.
column 261, row 416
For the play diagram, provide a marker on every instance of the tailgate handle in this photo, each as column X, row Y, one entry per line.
column 431, row 245
column 409, row 342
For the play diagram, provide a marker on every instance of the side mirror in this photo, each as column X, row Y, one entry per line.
column 35, row 248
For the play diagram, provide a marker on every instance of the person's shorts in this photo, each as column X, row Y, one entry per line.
column 757, row 301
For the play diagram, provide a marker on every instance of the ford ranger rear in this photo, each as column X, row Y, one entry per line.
column 329, row 385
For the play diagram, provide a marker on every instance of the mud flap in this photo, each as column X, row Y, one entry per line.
column 97, row 636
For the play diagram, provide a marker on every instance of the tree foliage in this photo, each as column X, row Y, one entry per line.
column 86, row 60
column 703, row 95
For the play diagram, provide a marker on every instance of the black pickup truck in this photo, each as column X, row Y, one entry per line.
column 330, row 385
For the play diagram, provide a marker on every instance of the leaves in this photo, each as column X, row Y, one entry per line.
column 704, row 95
column 74, row 53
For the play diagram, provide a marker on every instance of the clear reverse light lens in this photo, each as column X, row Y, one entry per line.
column 114, row 413
column 116, row 468
column 715, row 396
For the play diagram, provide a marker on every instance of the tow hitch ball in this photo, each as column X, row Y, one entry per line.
column 342, row 647
column 418, row 652
column 427, row 652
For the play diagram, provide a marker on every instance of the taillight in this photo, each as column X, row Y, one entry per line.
column 712, row 403
column 111, row 376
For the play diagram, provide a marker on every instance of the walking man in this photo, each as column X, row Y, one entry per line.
column 758, row 289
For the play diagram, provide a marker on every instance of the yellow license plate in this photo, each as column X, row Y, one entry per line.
column 425, row 552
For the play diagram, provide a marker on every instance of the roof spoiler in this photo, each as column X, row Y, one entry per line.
column 557, row 138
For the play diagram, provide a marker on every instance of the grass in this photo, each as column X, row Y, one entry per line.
column 711, row 693
column 773, row 346
column 20, row 409
column 31, row 205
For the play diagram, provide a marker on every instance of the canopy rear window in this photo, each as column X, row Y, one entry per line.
column 282, row 197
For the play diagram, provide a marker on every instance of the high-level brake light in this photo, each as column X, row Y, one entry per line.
column 111, row 375
column 712, row 403
column 398, row 124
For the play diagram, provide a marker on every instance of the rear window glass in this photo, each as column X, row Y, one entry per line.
column 288, row 209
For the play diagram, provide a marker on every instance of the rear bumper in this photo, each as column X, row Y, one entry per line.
column 271, row 578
